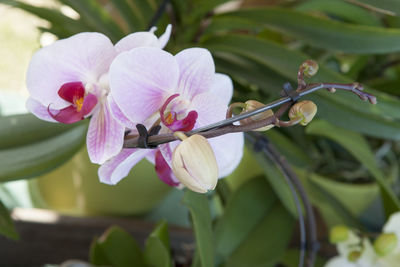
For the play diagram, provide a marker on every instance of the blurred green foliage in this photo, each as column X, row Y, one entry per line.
column 343, row 158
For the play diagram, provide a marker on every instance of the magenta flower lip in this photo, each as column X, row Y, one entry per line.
column 74, row 93
column 171, row 121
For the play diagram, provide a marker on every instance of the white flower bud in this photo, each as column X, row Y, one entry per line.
column 385, row 244
column 338, row 234
column 194, row 164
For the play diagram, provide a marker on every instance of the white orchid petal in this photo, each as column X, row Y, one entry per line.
column 83, row 57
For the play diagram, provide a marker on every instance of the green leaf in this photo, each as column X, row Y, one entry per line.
column 245, row 209
column 341, row 9
column 23, row 129
column 7, row 227
column 339, row 203
column 276, row 179
column 359, row 148
column 34, row 159
column 65, row 25
column 117, row 248
column 341, row 108
column 268, row 241
column 324, row 33
column 392, row 6
column 157, row 251
column 96, row 17
column 130, row 14
column 294, row 154
column 201, row 217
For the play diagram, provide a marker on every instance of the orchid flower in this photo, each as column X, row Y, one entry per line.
column 385, row 251
column 181, row 92
column 68, row 81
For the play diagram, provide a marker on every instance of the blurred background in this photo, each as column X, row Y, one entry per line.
column 347, row 159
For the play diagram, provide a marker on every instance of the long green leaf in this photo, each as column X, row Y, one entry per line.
column 23, row 129
column 201, row 217
column 131, row 17
column 325, row 33
column 392, row 6
column 117, row 248
column 6, row 223
column 360, row 149
column 276, row 179
column 267, row 243
column 244, row 211
column 40, row 157
column 96, row 16
column 65, row 25
column 157, row 251
column 286, row 62
column 341, row 9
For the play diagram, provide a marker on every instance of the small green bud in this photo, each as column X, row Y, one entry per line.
column 354, row 255
column 310, row 67
column 305, row 110
column 385, row 244
column 251, row 105
column 338, row 234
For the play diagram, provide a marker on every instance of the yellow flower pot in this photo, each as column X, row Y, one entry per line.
column 74, row 188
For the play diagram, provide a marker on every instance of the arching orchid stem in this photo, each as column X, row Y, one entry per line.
column 229, row 112
column 166, row 138
column 226, row 126
column 288, row 123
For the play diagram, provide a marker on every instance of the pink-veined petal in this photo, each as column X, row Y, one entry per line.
column 222, row 87
column 164, row 171
column 164, row 38
column 119, row 115
column 83, row 57
column 141, row 79
column 167, row 151
column 40, row 111
column 197, row 72
column 209, row 109
column 118, row 167
column 228, row 150
column 105, row 135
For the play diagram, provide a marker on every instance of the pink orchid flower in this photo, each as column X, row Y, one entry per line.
column 68, row 81
column 182, row 92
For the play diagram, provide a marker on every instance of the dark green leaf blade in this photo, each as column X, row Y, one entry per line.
column 117, row 248
column 360, row 149
column 244, row 211
column 325, row 33
column 39, row 157
column 157, row 250
column 267, row 243
column 201, row 217
column 22, row 129
column 7, row 227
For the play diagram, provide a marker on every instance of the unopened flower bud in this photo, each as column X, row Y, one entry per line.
column 354, row 255
column 304, row 110
column 251, row 105
column 194, row 164
column 310, row 68
column 385, row 244
column 338, row 234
